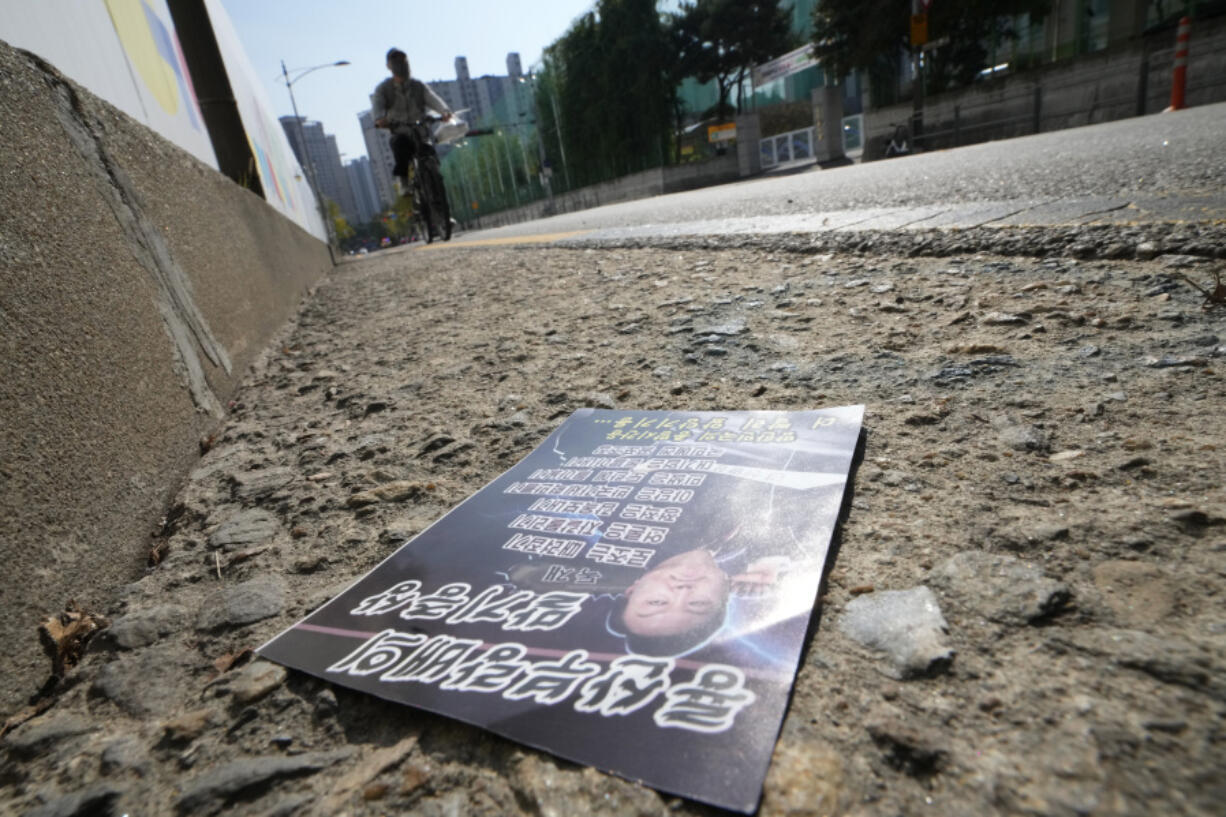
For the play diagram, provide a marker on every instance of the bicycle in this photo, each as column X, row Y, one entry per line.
column 431, row 211
column 900, row 142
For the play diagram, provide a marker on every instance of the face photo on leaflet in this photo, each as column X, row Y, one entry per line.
column 634, row 595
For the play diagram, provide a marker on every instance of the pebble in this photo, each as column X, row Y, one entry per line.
column 600, row 400
column 1020, row 436
column 249, row 527
column 187, row 727
column 244, row 603
column 907, row 625
column 39, row 735
column 141, row 628
column 99, row 799
column 1180, row 261
column 1172, row 361
column 128, row 682
column 256, row 680
column 254, row 485
column 1003, row 319
column 724, row 329
column 397, row 491
column 225, row 784
column 1000, row 587
column 124, row 754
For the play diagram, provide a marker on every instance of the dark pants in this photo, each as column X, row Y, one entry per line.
column 405, row 147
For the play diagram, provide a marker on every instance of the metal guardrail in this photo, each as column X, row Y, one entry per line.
column 787, row 147
column 1030, row 112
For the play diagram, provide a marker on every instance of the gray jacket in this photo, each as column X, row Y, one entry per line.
column 405, row 103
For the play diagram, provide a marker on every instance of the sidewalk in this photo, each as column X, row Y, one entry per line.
column 1044, row 453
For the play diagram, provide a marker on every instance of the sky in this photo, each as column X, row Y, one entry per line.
column 305, row 33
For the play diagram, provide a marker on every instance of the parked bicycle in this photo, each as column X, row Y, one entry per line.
column 900, row 142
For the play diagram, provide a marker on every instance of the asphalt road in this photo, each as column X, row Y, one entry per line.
column 1164, row 167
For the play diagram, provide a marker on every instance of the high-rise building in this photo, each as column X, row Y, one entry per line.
column 479, row 97
column 325, row 161
column 381, row 159
column 344, row 191
column 365, row 193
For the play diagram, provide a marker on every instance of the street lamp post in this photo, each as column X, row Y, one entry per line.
column 533, row 78
column 557, row 123
column 510, row 168
column 310, row 165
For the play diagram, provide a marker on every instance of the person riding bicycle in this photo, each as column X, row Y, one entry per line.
column 399, row 103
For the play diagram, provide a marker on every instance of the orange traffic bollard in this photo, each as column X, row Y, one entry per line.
column 1179, row 81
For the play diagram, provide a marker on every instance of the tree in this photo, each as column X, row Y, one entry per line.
column 869, row 34
column 607, row 77
column 340, row 225
column 722, row 40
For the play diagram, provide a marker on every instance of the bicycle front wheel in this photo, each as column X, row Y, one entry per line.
column 440, row 211
column 422, row 211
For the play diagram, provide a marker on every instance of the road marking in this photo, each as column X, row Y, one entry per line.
column 539, row 238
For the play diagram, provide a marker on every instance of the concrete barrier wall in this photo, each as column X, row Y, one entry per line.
column 719, row 170
column 137, row 285
column 1116, row 84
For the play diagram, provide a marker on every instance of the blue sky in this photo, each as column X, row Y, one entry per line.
column 308, row 32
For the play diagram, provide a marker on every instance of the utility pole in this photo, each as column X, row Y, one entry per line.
column 557, row 126
column 306, row 155
column 510, row 168
column 498, row 169
column 524, row 154
column 919, row 39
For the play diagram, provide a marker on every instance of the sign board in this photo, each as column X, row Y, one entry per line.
column 633, row 595
column 721, row 133
column 919, row 28
column 790, row 63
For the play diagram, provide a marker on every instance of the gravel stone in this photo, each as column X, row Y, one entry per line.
column 245, row 603
column 140, row 628
column 96, row 801
column 42, row 734
column 227, row 784
column 124, row 754
column 907, row 625
column 1000, row 587
column 255, row 485
column 129, row 683
column 244, row 529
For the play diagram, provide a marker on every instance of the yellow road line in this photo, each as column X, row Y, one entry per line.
column 540, row 238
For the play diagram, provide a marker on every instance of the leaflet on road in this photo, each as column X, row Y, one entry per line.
column 633, row 595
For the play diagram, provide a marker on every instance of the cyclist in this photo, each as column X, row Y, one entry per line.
column 399, row 104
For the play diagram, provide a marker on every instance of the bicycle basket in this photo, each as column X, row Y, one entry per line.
column 445, row 132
